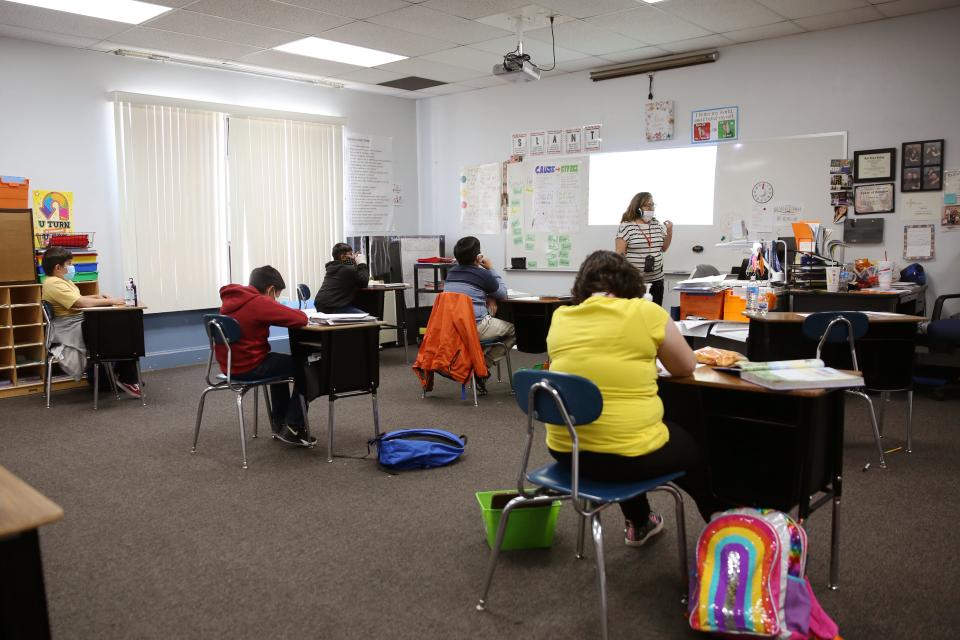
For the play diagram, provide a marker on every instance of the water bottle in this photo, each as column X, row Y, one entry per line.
column 762, row 302
column 130, row 293
column 753, row 293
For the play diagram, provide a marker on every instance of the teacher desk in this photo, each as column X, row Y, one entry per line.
column 764, row 448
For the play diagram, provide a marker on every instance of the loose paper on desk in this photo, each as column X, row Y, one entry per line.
column 480, row 197
column 918, row 242
column 921, row 206
column 368, row 171
column 559, row 197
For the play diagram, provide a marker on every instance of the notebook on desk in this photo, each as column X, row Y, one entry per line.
column 318, row 317
column 789, row 375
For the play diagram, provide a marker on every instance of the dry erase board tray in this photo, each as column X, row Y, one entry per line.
column 543, row 270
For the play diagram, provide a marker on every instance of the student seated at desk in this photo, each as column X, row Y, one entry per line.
column 613, row 337
column 256, row 308
column 67, row 331
column 345, row 274
column 474, row 276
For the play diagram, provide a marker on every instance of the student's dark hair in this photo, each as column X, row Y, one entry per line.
column 633, row 209
column 607, row 272
column 267, row 276
column 54, row 257
column 340, row 249
column 466, row 250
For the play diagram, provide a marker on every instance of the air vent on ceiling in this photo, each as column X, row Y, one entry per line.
column 412, row 83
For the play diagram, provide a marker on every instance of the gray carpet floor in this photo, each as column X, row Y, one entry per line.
column 159, row 543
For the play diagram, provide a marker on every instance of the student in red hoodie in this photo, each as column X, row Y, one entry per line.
column 256, row 308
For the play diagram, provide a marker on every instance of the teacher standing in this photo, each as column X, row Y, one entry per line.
column 642, row 240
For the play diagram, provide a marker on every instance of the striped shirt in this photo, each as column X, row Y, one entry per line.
column 644, row 239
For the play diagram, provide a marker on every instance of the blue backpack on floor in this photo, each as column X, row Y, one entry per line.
column 418, row 448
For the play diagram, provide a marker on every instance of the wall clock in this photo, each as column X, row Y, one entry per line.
column 763, row 192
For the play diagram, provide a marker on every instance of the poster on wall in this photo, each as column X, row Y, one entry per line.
column 555, row 141
column 559, row 197
column 537, row 142
column 368, row 184
column 573, row 140
column 951, row 186
column 480, row 197
column 659, row 120
column 591, row 137
column 720, row 124
column 52, row 214
column 520, row 144
column 919, row 242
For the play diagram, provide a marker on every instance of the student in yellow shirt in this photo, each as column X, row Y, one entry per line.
column 613, row 337
column 68, row 304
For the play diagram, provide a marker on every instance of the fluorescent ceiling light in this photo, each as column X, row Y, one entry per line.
column 128, row 11
column 652, row 1
column 338, row 52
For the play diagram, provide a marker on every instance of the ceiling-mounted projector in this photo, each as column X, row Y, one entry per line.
column 517, row 70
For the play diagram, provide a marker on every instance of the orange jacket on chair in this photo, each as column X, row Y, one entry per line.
column 451, row 345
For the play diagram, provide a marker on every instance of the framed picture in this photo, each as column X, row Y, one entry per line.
column 873, row 198
column 921, row 167
column 874, row 165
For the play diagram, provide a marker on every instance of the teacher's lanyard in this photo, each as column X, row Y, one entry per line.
column 646, row 236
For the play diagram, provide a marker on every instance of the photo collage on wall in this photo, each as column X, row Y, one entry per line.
column 841, row 183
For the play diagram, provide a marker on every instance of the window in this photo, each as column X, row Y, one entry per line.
column 207, row 195
column 681, row 181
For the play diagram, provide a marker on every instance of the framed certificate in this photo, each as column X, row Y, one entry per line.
column 873, row 198
column 874, row 165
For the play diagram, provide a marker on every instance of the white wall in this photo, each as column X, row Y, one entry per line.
column 884, row 82
column 56, row 125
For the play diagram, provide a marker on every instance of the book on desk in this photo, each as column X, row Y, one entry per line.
column 788, row 375
column 318, row 317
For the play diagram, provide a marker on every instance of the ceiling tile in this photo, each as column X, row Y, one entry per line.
column 37, row 35
column 650, row 25
column 201, row 24
column 695, row 44
column 473, row 9
column 531, row 17
column 484, row 81
column 903, row 7
column 583, row 36
column 21, row 15
column 369, row 76
column 172, row 3
column 581, row 9
column 540, row 52
column 297, row 64
column 466, row 57
column 271, row 14
column 806, row 8
column 634, row 54
column 444, row 89
column 375, row 36
column 432, row 70
column 358, row 9
column 430, row 22
column 728, row 15
column 582, row 64
column 839, row 19
column 777, row 30
column 177, row 43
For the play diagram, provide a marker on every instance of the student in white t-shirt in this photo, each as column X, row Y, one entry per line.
column 642, row 240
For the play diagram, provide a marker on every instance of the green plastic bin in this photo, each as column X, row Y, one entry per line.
column 529, row 527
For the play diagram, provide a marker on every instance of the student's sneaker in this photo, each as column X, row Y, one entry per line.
column 637, row 536
column 481, row 385
column 132, row 390
column 295, row 436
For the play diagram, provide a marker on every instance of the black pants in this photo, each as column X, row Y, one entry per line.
column 286, row 410
column 656, row 290
column 681, row 453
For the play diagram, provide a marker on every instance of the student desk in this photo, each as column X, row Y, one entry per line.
column 910, row 300
column 531, row 317
column 113, row 334
column 337, row 361
column 885, row 353
column 763, row 448
column 23, row 599
column 371, row 300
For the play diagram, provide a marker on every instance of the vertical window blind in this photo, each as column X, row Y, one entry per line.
column 207, row 196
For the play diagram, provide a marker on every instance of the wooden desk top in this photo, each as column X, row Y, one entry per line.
column 705, row 376
column 537, row 299
column 340, row 327
column 116, row 307
column 791, row 316
column 388, row 286
column 22, row 507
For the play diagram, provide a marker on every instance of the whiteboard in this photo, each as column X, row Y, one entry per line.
column 547, row 212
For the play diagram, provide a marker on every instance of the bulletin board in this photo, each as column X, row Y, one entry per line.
column 547, row 212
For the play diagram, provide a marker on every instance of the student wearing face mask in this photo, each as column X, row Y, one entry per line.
column 642, row 240
column 256, row 308
column 67, row 332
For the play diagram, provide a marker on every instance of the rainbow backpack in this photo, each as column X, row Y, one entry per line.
column 750, row 580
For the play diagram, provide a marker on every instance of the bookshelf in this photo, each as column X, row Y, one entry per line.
column 22, row 356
